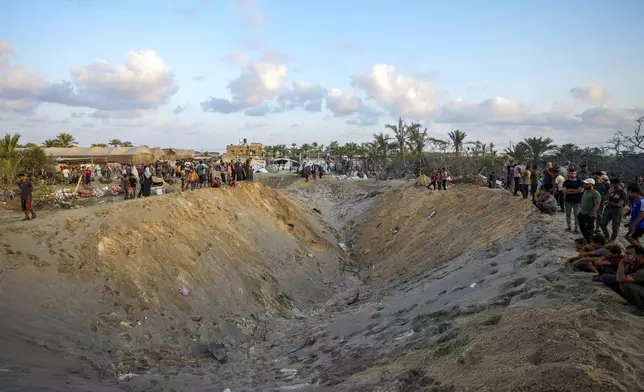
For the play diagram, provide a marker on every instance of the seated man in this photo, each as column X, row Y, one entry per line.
column 610, row 261
column 629, row 279
column 590, row 253
column 546, row 202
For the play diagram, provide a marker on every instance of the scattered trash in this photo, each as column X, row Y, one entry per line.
column 317, row 210
column 314, row 241
column 354, row 299
column 127, row 376
column 219, row 351
column 228, row 389
column 431, row 214
column 290, row 225
column 395, row 230
column 184, row 291
column 196, row 318
column 473, row 285
column 343, row 245
column 405, row 335
column 310, row 256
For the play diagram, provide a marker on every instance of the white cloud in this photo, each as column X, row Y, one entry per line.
column 258, row 82
column 590, row 93
column 179, row 109
column 143, row 82
column 399, row 94
column 249, row 9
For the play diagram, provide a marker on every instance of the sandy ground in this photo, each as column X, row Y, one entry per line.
column 464, row 290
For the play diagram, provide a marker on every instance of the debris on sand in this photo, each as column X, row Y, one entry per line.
column 343, row 246
column 395, row 230
column 317, row 210
column 184, row 291
column 219, row 351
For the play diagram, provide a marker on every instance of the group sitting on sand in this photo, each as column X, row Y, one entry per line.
column 597, row 201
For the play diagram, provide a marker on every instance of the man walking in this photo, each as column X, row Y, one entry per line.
column 588, row 210
column 26, row 197
column 614, row 204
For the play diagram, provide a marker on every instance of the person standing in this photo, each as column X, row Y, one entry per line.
column 26, row 196
column 443, row 177
column 88, row 176
column 584, row 174
column 573, row 189
column 146, row 184
column 559, row 195
column 534, row 178
column 527, row 175
column 588, row 209
column 517, row 178
column 602, row 186
column 636, row 224
column 614, row 204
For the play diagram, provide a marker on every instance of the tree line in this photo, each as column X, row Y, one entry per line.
column 65, row 140
column 411, row 148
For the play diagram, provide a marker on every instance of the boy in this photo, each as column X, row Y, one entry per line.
column 26, row 197
column 636, row 224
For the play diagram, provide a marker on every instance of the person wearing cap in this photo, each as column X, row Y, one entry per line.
column 573, row 190
column 614, row 204
column 588, row 209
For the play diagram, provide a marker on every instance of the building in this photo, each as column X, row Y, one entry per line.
column 244, row 150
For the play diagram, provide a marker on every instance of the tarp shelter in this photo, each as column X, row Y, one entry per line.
column 284, row 163
column 135, row 155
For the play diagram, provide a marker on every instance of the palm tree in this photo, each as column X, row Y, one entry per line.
column 380, row 148
column 457, row 137
column 332, row 148
column 98, row 145
column 115, row 142
column 127, row 144
column 538, row 147
column 51, row 143
column 351, row 149
column 519, row 153
column 306, row 148
column 65, row 140
column 417, row 141
column 400, row 133
column 8, row 144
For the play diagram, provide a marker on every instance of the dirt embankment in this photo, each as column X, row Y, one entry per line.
column 412, row 229
column 103, row 284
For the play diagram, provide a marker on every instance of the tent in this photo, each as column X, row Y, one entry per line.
column 135, row 155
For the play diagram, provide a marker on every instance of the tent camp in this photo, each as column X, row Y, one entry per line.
column 134, row 155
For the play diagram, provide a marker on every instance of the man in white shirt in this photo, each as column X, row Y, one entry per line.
column 559, row 194
column 65, row 173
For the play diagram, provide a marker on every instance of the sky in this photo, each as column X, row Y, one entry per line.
column 202, row 74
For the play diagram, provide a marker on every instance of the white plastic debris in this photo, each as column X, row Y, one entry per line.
column 310, row 256
column 342, row 245
column 473, row 285
column 127, row 376
column 226, row 390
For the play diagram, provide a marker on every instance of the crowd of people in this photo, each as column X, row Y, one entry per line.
column 595, row 205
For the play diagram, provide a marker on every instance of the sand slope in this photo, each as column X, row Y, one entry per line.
column 104, row 282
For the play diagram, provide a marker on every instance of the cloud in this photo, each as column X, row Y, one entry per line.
column 350, row 47
column 399, row 94
column 193, row 10
column 249, row 9
column 258, row 82
column 179, row 109
column 143, row 82
column 590, row 93
column 303, row 95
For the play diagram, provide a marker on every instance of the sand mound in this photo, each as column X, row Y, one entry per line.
column 109, row 277
column 414, row 229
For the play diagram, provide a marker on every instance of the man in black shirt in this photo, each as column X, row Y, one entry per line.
column 26, row 197
column 534, row 178
column 614, row 204
column 573, row 189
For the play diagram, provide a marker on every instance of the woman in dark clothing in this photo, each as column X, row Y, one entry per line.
column 249, row 171
column 146, row 184
column 239, row 171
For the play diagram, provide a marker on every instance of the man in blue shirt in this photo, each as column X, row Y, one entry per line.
column 202, row 171
column 636, row 224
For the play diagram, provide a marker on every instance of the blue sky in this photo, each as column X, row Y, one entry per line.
column 499, row 70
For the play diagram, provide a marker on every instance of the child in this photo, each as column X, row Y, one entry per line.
column 588, row 254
